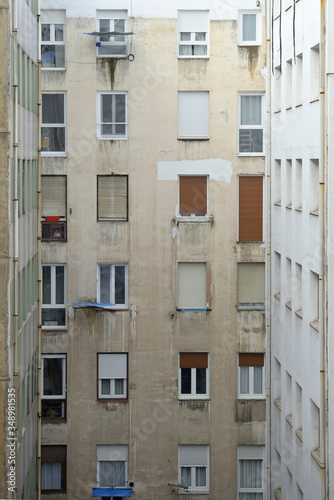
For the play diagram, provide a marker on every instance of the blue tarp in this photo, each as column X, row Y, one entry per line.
column 92, row 304
column 111, row 492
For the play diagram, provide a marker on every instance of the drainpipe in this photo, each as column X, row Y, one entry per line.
column 16, row 219
column 268, row 244
column 322, row 223
column 39, row 266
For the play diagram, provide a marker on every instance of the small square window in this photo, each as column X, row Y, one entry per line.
column 112, row 117
column 193, row 375
column 53, row 386
column 251, row 376
column 193, row 33
column 53, row 296
column 112, row 197
column 251, row 124
column 193, row 195
column 194, row 467
column 53, row 124
column 249, row 27
column 113, row 285
column 193, row 115
column 53, row 469
column 112, row 374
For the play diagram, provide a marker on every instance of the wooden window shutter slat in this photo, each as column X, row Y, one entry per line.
column 250, row 208
column 193, row 195
column 53, row 195
column 251, row 359
column 113, row 197
column 193, row 360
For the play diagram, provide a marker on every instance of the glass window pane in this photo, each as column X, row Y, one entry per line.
column 199, row 50
column 249, row 28
column 250, row 496
column 119, row 386
column 119, row 284
column 59, row 32
column 200, row 37
column 107, row 108
column 46, row 285
column 250, row 473
column 120, row 108
column 60, row 285
column 53, row 108
column 258, row 379
column 48, row 56
column 112, row 474
column 185, row 37
column 200, row 476
column 251, row 140
column 185, row 50
column 51, row 476
column 251, row 109
column 185, row 380
column 53, row 317
column 244, row 379
column 105, row 387
column 53, row 139
column 186, row 476
column 52, row 376
column 45, row 32
column 104, row 27
column 119, row 25
column 105, row 284
column 200, row 380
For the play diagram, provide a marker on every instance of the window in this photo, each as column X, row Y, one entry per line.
column 194, row 467
column 251, row 280
column 112, row 466
column 193, row 195
column 112, row 197
column 112, row 369
column 53, row 207
column 193, row 32
column 53, row 123
column 250, row 472
column 112, row 21
column 314, row 73
column 251, row 376
column 53, row 386
column 113, row 285
column 249, row 27
column 193, row 115
column 250, row 208
column 192, row 285
column 251, row 124
column 112, row 115
column 53, row 469
column 54, row 296
column 53, row 39
column 193, row 375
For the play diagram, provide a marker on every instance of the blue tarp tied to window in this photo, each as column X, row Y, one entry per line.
column 112, row 492
column 92, row 304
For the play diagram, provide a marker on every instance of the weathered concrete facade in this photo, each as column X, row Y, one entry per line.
column 153, row 421
column 18, row 253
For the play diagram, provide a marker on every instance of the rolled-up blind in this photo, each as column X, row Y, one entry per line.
column 112, row 197
column 192, row 285
column 251, row 280
column 251, row 359
column 193, row 360
column 53, row 195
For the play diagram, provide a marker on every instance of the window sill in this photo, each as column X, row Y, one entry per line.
column 314, row 212
column 298, row 209
column 288, row 107
column 53, row 69
column 299, row 313
column 194, row 218
column 277, row 204
column 193, row 138
column 260, row 242
column 278, row 494
column 55, row 240
column 193, row 57
column 242, row 309
column 289, row 305
column 315, row 324
column 53, row 420
column 316, row 456
column 207, row 309
column 54, row 329
column 194, row 399
column 278, row 403
column 277, row 296
column 288, row 418
column 299, row 434
column 315, row 99
column 277, row 111
column 113, row 220
column 261, row 154
column 247, row 397
column 112, row 138
column 249, row 44
column 111, row 400
column 289, row 207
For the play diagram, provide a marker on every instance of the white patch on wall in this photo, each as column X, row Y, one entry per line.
column 216, row 168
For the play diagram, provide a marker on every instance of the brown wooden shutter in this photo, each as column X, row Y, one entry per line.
column 193, row 360
column 193, row 195
column 112, row 197
column 250, row 208
column 251, row 359
column 54, row 454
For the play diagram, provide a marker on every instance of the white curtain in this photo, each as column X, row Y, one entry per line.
column 251, row 474
column 112, row 473
column 200, row 476
column 249, row 28
column 186, row 476
column 258, row 379
column 251, row 110
column 244, row 379
column 51, row 476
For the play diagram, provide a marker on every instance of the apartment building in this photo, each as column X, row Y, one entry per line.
column 153, row 254
column 301, row 255
column 18, row 249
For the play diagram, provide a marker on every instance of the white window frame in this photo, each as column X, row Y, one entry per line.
column 99, row 108
column 53, row 304
column 112, row 395
column 251, row 394
column 258, row 28
column 112, row 453
column 53, row 41
column 112, row 17
column 193, row 41
column 255, row 452
column 63, row 394
column 193, row 463
column 194, row 217
column 55, row 125
column 193, row 394
column 112, row 281
column 252, row 127
column 202, row 132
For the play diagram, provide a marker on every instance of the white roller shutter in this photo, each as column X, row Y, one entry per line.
column 113, row 197
column 192, row 455
column 251, row 280
column 193, row 21
column 193, row 115
column 53, row 195
column 192, row 285
column 112, row 366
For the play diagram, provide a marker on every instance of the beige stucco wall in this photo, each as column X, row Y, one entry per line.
column 153, row 422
